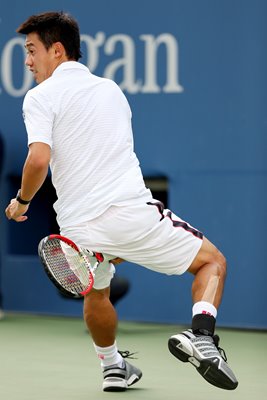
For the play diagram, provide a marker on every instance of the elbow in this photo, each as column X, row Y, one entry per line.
column 37, row 164
column 39, row 157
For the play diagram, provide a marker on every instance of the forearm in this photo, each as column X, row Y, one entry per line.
column 33, row 177
column 35, row 170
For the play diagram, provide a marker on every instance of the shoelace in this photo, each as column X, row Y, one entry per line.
column 216, row 340
column 127, row 354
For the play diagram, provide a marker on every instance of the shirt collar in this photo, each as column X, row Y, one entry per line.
column 70, row 65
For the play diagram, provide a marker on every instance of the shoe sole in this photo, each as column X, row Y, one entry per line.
column 121, row 385
column 114, row 388
column 206, row 368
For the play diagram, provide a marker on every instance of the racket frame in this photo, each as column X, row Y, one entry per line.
column 99, row 257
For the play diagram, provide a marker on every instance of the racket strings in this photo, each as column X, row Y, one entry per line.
column 67, row 266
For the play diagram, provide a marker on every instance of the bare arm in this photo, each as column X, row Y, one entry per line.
column 34, row 173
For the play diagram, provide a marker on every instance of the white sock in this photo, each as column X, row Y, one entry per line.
column 108, row 355
column 203, row 307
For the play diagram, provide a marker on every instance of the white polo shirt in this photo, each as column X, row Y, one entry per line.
column 86, row 120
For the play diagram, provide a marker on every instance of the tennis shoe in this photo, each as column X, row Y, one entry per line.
column 204, row 353
column 119, row 378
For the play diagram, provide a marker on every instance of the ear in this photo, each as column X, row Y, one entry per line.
column 59, row 49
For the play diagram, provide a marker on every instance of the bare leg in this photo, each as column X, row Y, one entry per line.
column 209, row 269
column 101, row 320
column 100, row 317
column 199, row 346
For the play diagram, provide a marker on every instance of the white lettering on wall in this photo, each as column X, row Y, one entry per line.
column 127, row 62
column 151, row 49
column 7, row 69
column 158, row 50
column 92, row 46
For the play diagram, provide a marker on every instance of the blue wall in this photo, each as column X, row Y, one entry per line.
column 199, row 116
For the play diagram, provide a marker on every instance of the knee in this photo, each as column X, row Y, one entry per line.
column 220, row 264
column 209, row 259
column 94, row 299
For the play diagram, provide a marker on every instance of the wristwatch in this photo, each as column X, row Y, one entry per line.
column 20, row 200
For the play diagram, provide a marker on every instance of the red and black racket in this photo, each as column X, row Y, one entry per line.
column 68, row 265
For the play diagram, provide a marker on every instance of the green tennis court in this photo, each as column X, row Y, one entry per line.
column 53, row 358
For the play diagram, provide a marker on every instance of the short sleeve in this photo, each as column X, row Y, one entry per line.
column 38, row 118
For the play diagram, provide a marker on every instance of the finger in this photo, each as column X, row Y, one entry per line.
column 116, row 261
column 22, row 218
column 7, row 211
column 9, row 207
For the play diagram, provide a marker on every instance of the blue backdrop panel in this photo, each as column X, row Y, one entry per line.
column 194, row 73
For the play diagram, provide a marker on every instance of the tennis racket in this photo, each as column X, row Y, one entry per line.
column 68, row 265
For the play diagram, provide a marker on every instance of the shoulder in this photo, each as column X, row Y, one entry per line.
column 114, row 89
column 37, row 102
column 113, row 86
column 106, row 83
column 40, row 93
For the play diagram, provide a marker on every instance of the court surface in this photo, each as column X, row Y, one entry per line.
column 49, row 358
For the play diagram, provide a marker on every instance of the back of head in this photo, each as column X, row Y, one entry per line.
column 53, row 27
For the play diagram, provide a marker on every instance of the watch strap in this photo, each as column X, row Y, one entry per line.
column 22, row 201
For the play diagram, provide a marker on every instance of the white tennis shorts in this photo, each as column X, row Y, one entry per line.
column 144, row 234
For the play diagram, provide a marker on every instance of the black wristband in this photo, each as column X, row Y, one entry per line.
column 21, row 201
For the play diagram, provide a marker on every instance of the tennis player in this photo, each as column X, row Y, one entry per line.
column 80, row 125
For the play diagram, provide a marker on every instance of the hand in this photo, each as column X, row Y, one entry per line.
column 116, row 261
column 16, row 211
